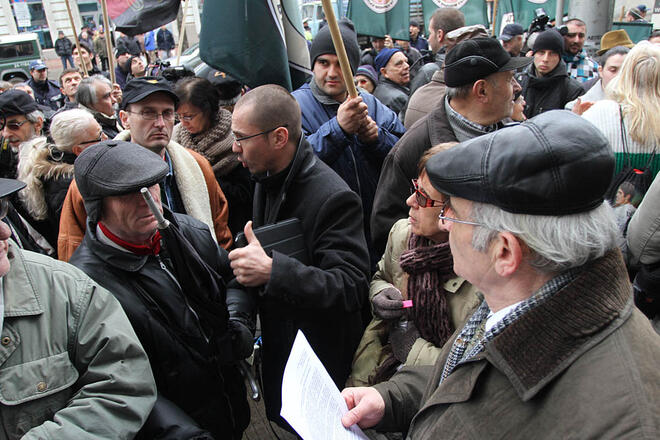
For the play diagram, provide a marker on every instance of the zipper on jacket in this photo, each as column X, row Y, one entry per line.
column 183, row 294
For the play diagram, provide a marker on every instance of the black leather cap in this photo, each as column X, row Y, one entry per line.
column 556, row 163
column 113, row 168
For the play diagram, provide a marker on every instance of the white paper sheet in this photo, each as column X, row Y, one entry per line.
column 311, row 402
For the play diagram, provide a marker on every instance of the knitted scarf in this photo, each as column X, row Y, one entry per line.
column 429, row 266
column 214, row 144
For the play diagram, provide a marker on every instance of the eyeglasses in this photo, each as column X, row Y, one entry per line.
column 238, row 140
column 150, row 115
column 94, row 141
column 187, row 118
column 442, row 216
column 4, row 207
column 13, row 125
column 423, row 200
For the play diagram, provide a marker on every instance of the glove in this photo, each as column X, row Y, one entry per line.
column 242, row 339
column 388, row 304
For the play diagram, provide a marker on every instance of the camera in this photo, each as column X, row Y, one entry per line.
column 540, row 22
column 170, row 73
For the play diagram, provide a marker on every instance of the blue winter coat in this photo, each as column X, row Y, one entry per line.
column 357, row 163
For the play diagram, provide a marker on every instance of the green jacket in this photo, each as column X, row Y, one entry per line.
column 71, row 366
column 369, row 354
column 582, row 365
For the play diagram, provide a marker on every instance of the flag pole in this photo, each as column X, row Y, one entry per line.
column 108, row 41
column 182, row 32
column 339, row 48
column 495, row 17
column 75, row 37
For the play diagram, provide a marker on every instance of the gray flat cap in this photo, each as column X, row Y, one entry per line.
column 556, row 163
column 113, row 168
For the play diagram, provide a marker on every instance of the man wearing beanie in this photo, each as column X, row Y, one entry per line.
column 546, row 84
column 193, row 336
column 417, row 40
column 557, row 348
column 392, row 90
column 351, row 135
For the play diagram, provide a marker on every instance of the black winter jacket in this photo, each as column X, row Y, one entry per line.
column 326, row 298
column 548, row 92
column 210, row 394
column 63, row 47
column 391, row 94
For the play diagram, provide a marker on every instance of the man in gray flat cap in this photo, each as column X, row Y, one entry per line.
column 557, row 348
column 193, row 335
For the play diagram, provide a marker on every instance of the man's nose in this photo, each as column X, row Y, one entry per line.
column 516, row 86
column 5, row 231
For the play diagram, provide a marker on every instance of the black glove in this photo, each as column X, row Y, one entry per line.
column 242, row 339
column 388, row 304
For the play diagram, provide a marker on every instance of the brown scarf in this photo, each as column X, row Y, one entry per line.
column 214, row 144
column 429, row 267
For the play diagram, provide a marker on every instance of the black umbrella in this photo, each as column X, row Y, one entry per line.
column 203, row 286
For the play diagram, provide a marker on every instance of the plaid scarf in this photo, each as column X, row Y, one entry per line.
column 580, row 66
column 473, row 338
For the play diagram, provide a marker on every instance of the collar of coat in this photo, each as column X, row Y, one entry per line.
column 24, row 297
column 543, row 342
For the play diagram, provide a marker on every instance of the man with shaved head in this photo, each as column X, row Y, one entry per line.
column 324, row 295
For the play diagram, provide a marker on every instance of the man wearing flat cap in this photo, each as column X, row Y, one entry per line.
column 480, row 89
column 192, row 349
column 71, row 365
column 557, row 348
column 351, row 135
column 189, row 187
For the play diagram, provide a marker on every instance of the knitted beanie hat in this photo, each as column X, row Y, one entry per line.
column 322, row 43
column 549, row 40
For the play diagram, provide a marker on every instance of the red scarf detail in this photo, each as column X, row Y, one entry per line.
column 151, row 248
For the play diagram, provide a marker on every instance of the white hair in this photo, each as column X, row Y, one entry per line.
column 66, row 127
column 557, row 242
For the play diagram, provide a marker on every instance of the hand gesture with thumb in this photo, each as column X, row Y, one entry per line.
column 251, row 265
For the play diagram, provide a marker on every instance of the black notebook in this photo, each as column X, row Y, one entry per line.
column 285, row 237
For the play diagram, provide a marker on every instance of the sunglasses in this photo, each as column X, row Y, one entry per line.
column 423, row 200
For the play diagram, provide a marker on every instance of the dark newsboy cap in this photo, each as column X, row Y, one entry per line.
column 138, row 89
column 17, row 102
column 556, row 163
column 475, row 59
column 114, row 168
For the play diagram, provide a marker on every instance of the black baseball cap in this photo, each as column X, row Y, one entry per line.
column 17, row 102
column 510, row 31
column 475, row 59
column 138, row 89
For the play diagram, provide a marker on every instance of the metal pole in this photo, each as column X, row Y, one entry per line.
column 559, row 13
column 108, row 41
column 339, row 48
column 182, row 32
column 75, row 37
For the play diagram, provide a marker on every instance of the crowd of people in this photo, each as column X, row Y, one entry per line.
column 470, row 245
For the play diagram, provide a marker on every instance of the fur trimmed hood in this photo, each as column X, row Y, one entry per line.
column 36, row 164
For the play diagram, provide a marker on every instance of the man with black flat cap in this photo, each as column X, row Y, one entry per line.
column 190, row 187
column 480, row 90
column 192, row 350
column 557, row 348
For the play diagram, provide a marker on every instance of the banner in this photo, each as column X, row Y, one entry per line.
column 381, row 17
column 522, row 12
column 247, row 40
column 475, row 11
column 134, row 17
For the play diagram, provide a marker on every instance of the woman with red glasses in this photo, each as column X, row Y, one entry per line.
column 418, row 301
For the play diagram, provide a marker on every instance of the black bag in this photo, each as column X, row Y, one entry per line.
column 285, row 236
column 640, row 179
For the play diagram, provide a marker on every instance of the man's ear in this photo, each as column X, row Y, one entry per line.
column 480, row 90
column 38, row 125
column 281, row 138
column 123, row 116
column 507, row 252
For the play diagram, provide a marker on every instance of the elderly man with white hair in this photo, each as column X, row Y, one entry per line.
column 47, row 169
column 557, row 349
column 95, row 95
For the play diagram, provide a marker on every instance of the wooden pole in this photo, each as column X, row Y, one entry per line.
column 339, row 48
column 75, row 37
column 108, row 41
column 182, row 32
column 495, row 18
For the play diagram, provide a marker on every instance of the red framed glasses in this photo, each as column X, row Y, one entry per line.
column 423, row 200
